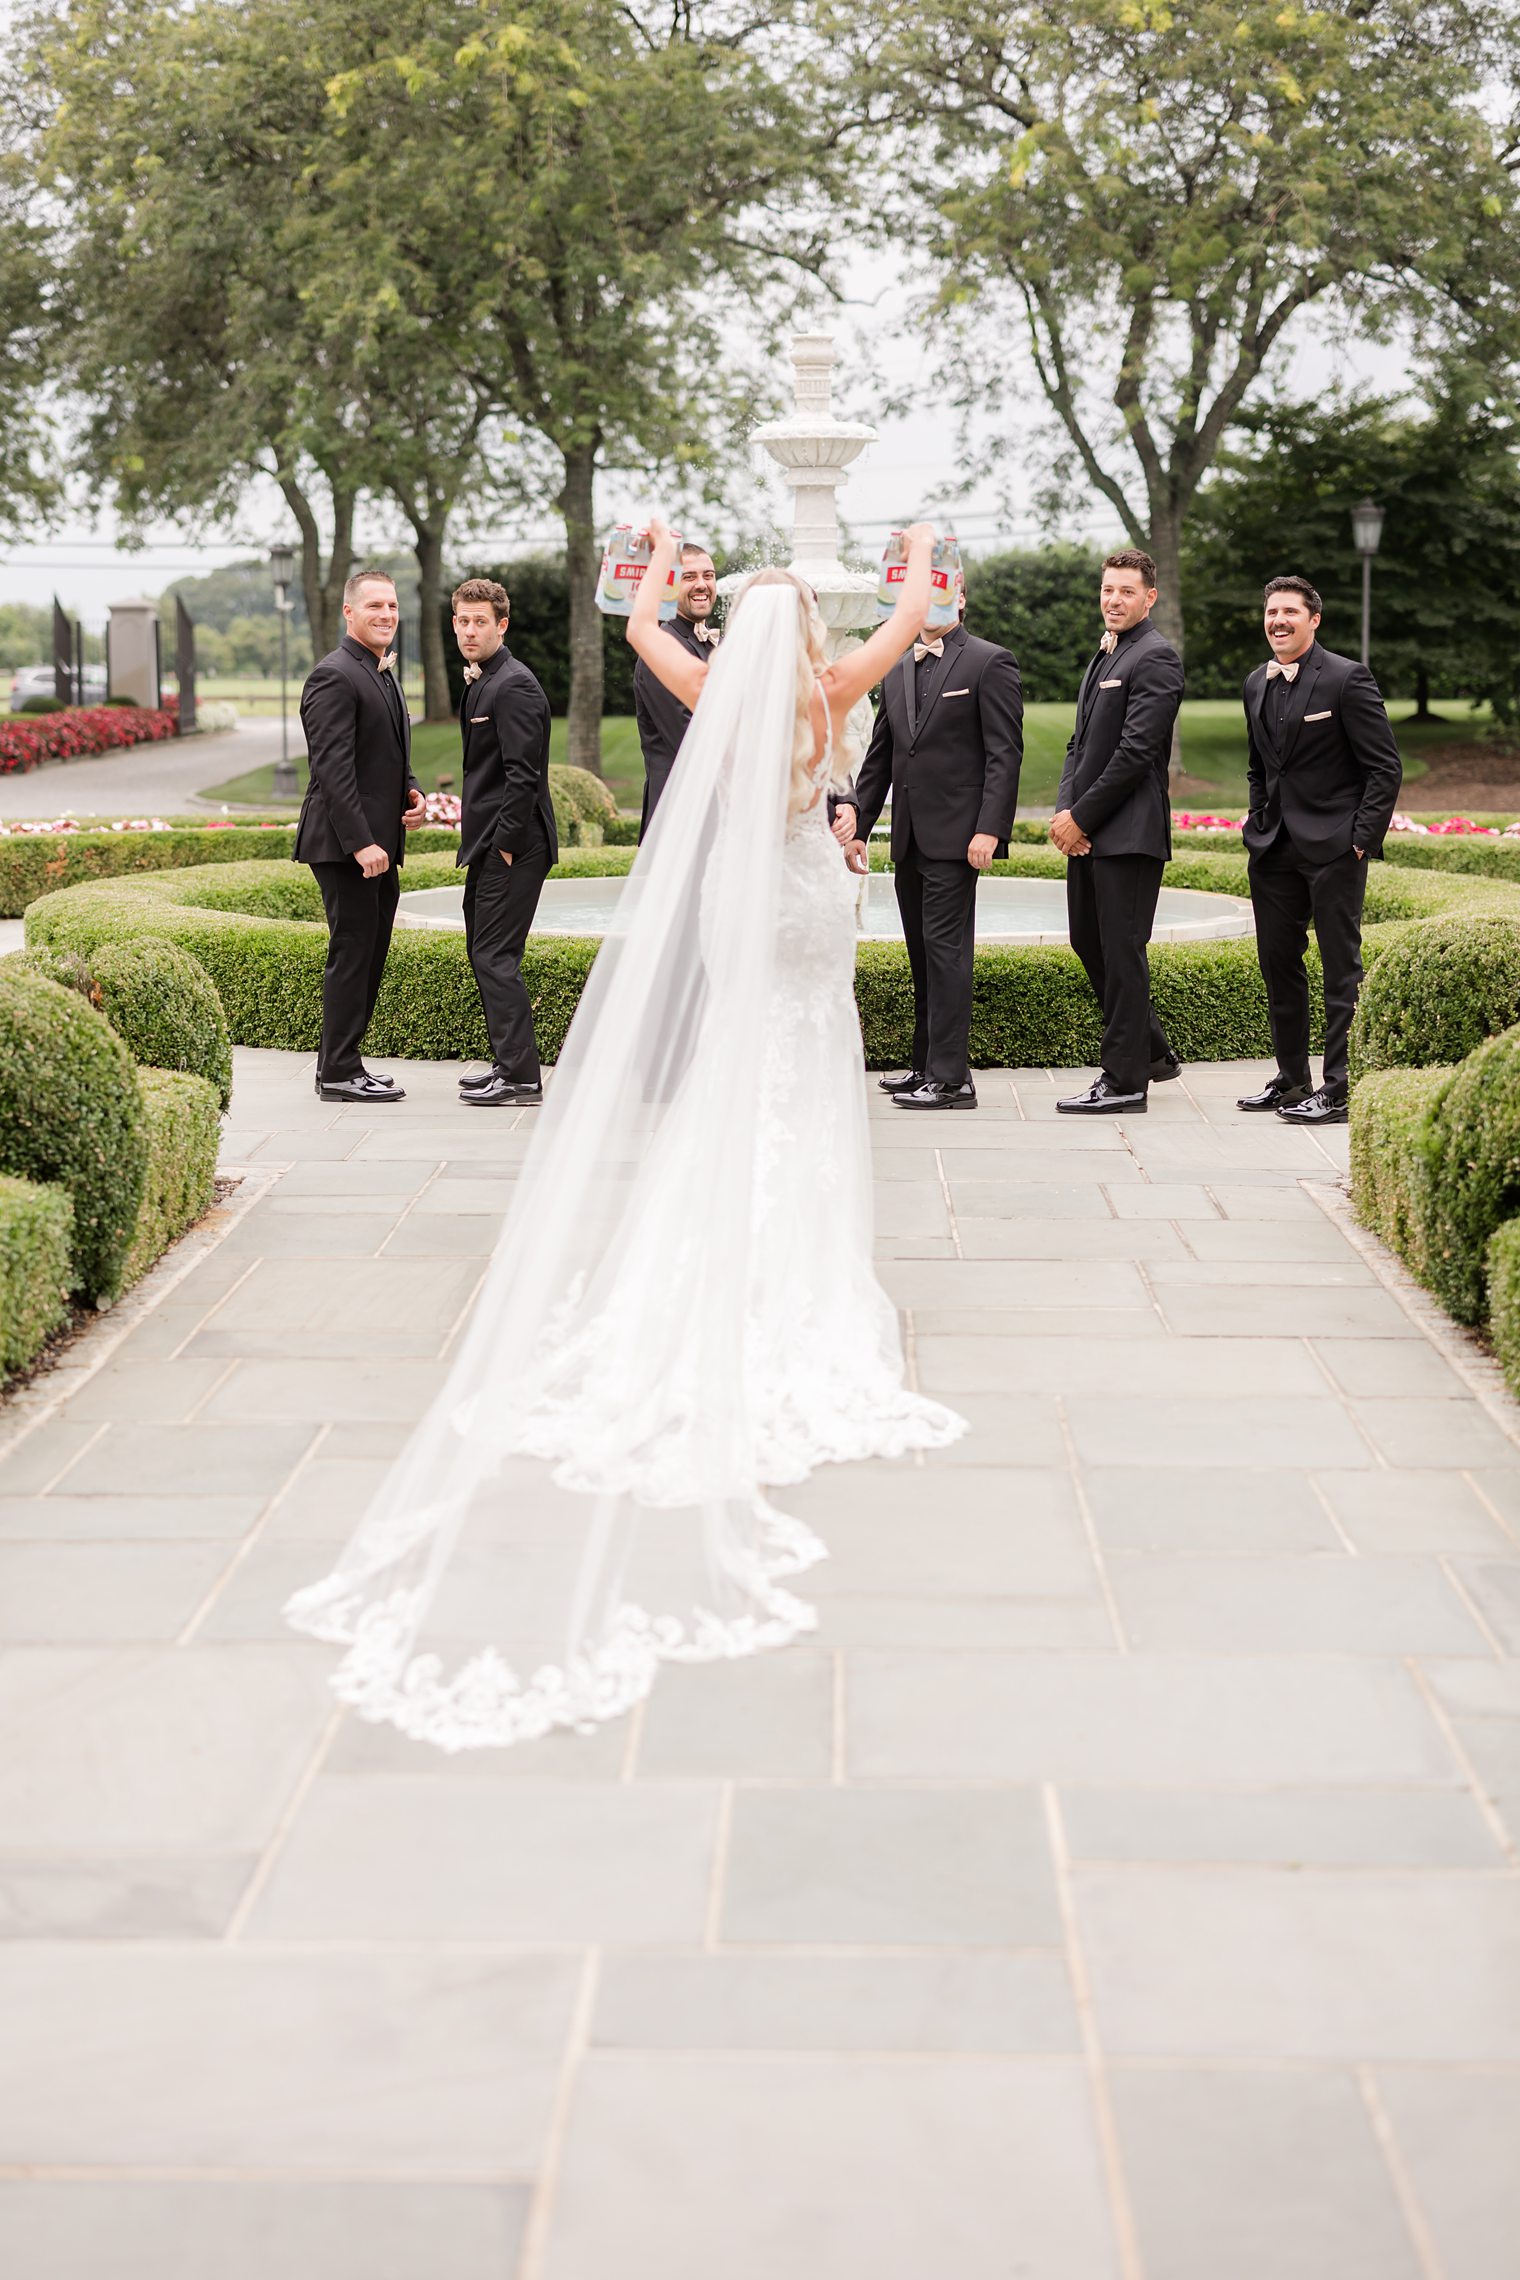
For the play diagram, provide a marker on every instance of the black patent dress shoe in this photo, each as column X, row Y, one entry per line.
column 1322, row 1107
column 1282, row 1092
column 1103, row 1098
column 502, row 1092
column 479, row 1084
column 929, row 1094
column 909, row 1083
column 367, row 1089
column 1162, row 1072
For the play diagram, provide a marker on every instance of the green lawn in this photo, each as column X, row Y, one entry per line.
column 435, row 753
column 1213, row 752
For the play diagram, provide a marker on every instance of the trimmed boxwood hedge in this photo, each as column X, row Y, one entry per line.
column 1473, row 1146
column 36, row 1233
column 1437, row 993
column 1502, row 1269
column 181, row 1118
column 1393, row 1158
column 259, row 935
column 70, row 1116
column 160, row 1001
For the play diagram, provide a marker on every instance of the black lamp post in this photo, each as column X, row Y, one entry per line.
column 1367, row 534
column 282, row 564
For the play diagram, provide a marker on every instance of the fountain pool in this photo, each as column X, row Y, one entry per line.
column 1008, row 911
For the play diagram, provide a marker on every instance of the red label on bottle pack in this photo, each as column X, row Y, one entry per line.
column 896, row 572
column 634, row 570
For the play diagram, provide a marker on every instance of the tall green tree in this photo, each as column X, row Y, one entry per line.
column 1446, row 581
column 1152, row 191
column 28, row 482
column 621, row 185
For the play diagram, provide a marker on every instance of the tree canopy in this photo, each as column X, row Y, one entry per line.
column 1154, row 192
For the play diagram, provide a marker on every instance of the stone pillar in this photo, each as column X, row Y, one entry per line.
column 132, row 656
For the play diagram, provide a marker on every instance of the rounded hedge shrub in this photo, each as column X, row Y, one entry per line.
column 164, row 1005
column 38, row 705
column 70, row 1115
column 1436, row 993
column 1472, row 1149
column 1392, row 1159
column 36, row 1227
column 160, row 1001
column 1502, row 1268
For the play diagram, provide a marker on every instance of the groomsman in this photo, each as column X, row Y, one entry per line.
column 507, row 837
column 1113, row 821
column 1324, row 775
column 948, row 744
column 361, row 801
column 661, row 718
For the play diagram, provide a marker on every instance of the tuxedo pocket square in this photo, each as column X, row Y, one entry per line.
column 953, row 693
column 1318, row 716
column 1111, row 684
column 478, row 720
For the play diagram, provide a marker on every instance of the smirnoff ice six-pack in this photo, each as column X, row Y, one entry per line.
column 624, row 560
column 945, row 579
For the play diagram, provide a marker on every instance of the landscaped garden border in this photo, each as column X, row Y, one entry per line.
column 35, row 859
column 259, row 934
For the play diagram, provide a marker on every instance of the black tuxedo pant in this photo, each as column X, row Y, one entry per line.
column 499, row 902
column 656, row 777
column 1288, row 893
column 937, row 901
column 1110, row 910
column 360, row 915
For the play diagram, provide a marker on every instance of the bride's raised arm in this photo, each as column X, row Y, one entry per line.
column 681, row 673
column 850, row 677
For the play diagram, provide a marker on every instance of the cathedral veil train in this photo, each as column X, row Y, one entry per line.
column 681, row 1312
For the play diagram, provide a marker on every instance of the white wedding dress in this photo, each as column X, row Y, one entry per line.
column 682, row 1312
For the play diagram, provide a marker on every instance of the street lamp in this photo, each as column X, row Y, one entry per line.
column 1366, row 534
column 282, row 565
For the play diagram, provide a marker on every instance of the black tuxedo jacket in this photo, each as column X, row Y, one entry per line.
column 662, row 719
column 1333, row 781
column 1115, row 776
column 504, row 720
column 359, row 751
column 948, row 747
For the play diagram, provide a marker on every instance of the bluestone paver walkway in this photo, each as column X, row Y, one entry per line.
column 1121, row 1885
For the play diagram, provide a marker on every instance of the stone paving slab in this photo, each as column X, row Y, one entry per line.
column 1124, row 1879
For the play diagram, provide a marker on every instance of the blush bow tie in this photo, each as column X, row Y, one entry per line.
column 923, row 649
column 388, row 662
column 704, row 631
column 1109, row 644
column 1288, row 672
column 471, row 673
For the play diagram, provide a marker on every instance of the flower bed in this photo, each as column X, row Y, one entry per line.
column 26, row 743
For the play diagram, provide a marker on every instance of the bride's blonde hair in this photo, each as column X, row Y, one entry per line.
column 812, row 659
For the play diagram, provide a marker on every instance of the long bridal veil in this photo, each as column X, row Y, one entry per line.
column 582, row 1500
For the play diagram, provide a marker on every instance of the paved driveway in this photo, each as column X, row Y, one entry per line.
column 1122, row 1885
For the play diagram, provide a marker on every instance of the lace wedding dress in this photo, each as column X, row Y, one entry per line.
column 681, row 1313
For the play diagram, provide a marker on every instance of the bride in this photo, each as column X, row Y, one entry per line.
column 681, row 1312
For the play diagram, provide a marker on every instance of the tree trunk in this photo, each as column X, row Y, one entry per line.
column 1166, row 546
column 429, row 537
column 322, row 593
column 582, row 554
column 1422, row 694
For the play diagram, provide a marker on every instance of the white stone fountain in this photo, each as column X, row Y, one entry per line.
column 814, row 449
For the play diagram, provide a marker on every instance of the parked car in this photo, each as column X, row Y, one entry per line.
column 37, row 681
